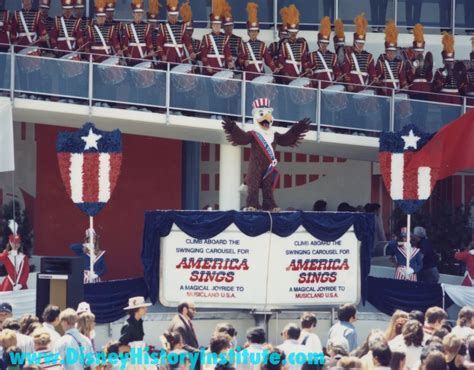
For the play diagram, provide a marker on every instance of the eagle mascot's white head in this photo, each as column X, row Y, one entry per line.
column 262, row 116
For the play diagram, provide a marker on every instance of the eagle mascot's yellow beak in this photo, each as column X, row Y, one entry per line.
column 264, row 118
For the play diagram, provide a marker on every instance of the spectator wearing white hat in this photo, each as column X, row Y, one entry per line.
column 83, row 307
column 132, row 332
column 51, row 320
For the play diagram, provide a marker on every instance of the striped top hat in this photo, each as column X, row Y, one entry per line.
column 261, row 103
column 79, row 4
column 172, row 6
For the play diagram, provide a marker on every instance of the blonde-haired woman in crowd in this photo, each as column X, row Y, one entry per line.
column 465, row 323
column 399, row 318
column 452, row 346
column 42, row 341
column 86, row 326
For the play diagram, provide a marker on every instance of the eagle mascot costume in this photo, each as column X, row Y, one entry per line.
column 262, row 172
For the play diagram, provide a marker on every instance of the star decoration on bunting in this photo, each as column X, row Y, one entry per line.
column 411, row 141
column 91, row 140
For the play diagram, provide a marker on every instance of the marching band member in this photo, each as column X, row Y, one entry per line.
column 324, row 62
column 152, row 18
column 274, row 47
column 339, row 41
column 466, row 86
column 66, row 34
column 16, row 263
column 102, row 38
column 79, row 13
column 83, row 251
column 419, row 74
column 5, row 28
column 137, row 40
column 187, row 16
column 27, row 26
column 390, row 70
column 173, row 39
column 110, row 12
column 359, row 66
column 294, row 51
column 444, row 81
column 254, row 53
column 234, row 40
column 48, row 21
column 215, row 50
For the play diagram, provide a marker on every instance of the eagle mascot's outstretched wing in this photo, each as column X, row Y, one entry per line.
column 294, row 135
column 235, row 134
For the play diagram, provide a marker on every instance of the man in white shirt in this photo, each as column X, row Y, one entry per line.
column 24, row 342
column 308, row 337
column 347, row 315
column 252, row 355
column 51, row 320
column 381, row 355
column 73, row 346
column 291, row 348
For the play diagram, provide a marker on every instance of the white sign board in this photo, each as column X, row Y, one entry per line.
column 234, row 270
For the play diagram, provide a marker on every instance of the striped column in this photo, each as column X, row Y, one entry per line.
column 230, row 169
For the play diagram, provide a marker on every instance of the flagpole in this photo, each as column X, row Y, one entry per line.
column 408, row 243
column 91, row 245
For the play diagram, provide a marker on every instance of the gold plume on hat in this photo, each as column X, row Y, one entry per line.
column 325, row 26
column 448, row 42
column 339, row 28
column 418, row 33
column 252, row 12
column 284, row 14
column 172, row 3
column 391, row 32
column 361, row 24
column 137, row 2
column 293, row 14
column 217, row 7
column 186, row 12
column 227, row 11
column 100, row 3
column 153, row 7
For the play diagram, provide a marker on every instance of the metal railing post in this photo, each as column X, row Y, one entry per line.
column 392, row 112
column 318, row 112
column 453, row 16
column 243, row 98
column 395, row 12
column 336, row 9
column 91, row 83
column 275, row 19
column 168, row 89
column 464, row 105
column 12, row 74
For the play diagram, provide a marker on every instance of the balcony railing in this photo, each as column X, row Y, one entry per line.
column 174, row 91
column 455, row 15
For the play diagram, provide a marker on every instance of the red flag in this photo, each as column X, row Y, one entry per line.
column 450, row 150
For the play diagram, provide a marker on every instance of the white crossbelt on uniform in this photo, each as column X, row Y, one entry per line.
column 137, row 42
column 390, row 72
column 27, row 32
column 296, row 65
column 357, row 71
column 254, row 60
column 173, row 40
column 102, row 40
column 326, row 69
column 216, row 51
column 66, row 34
